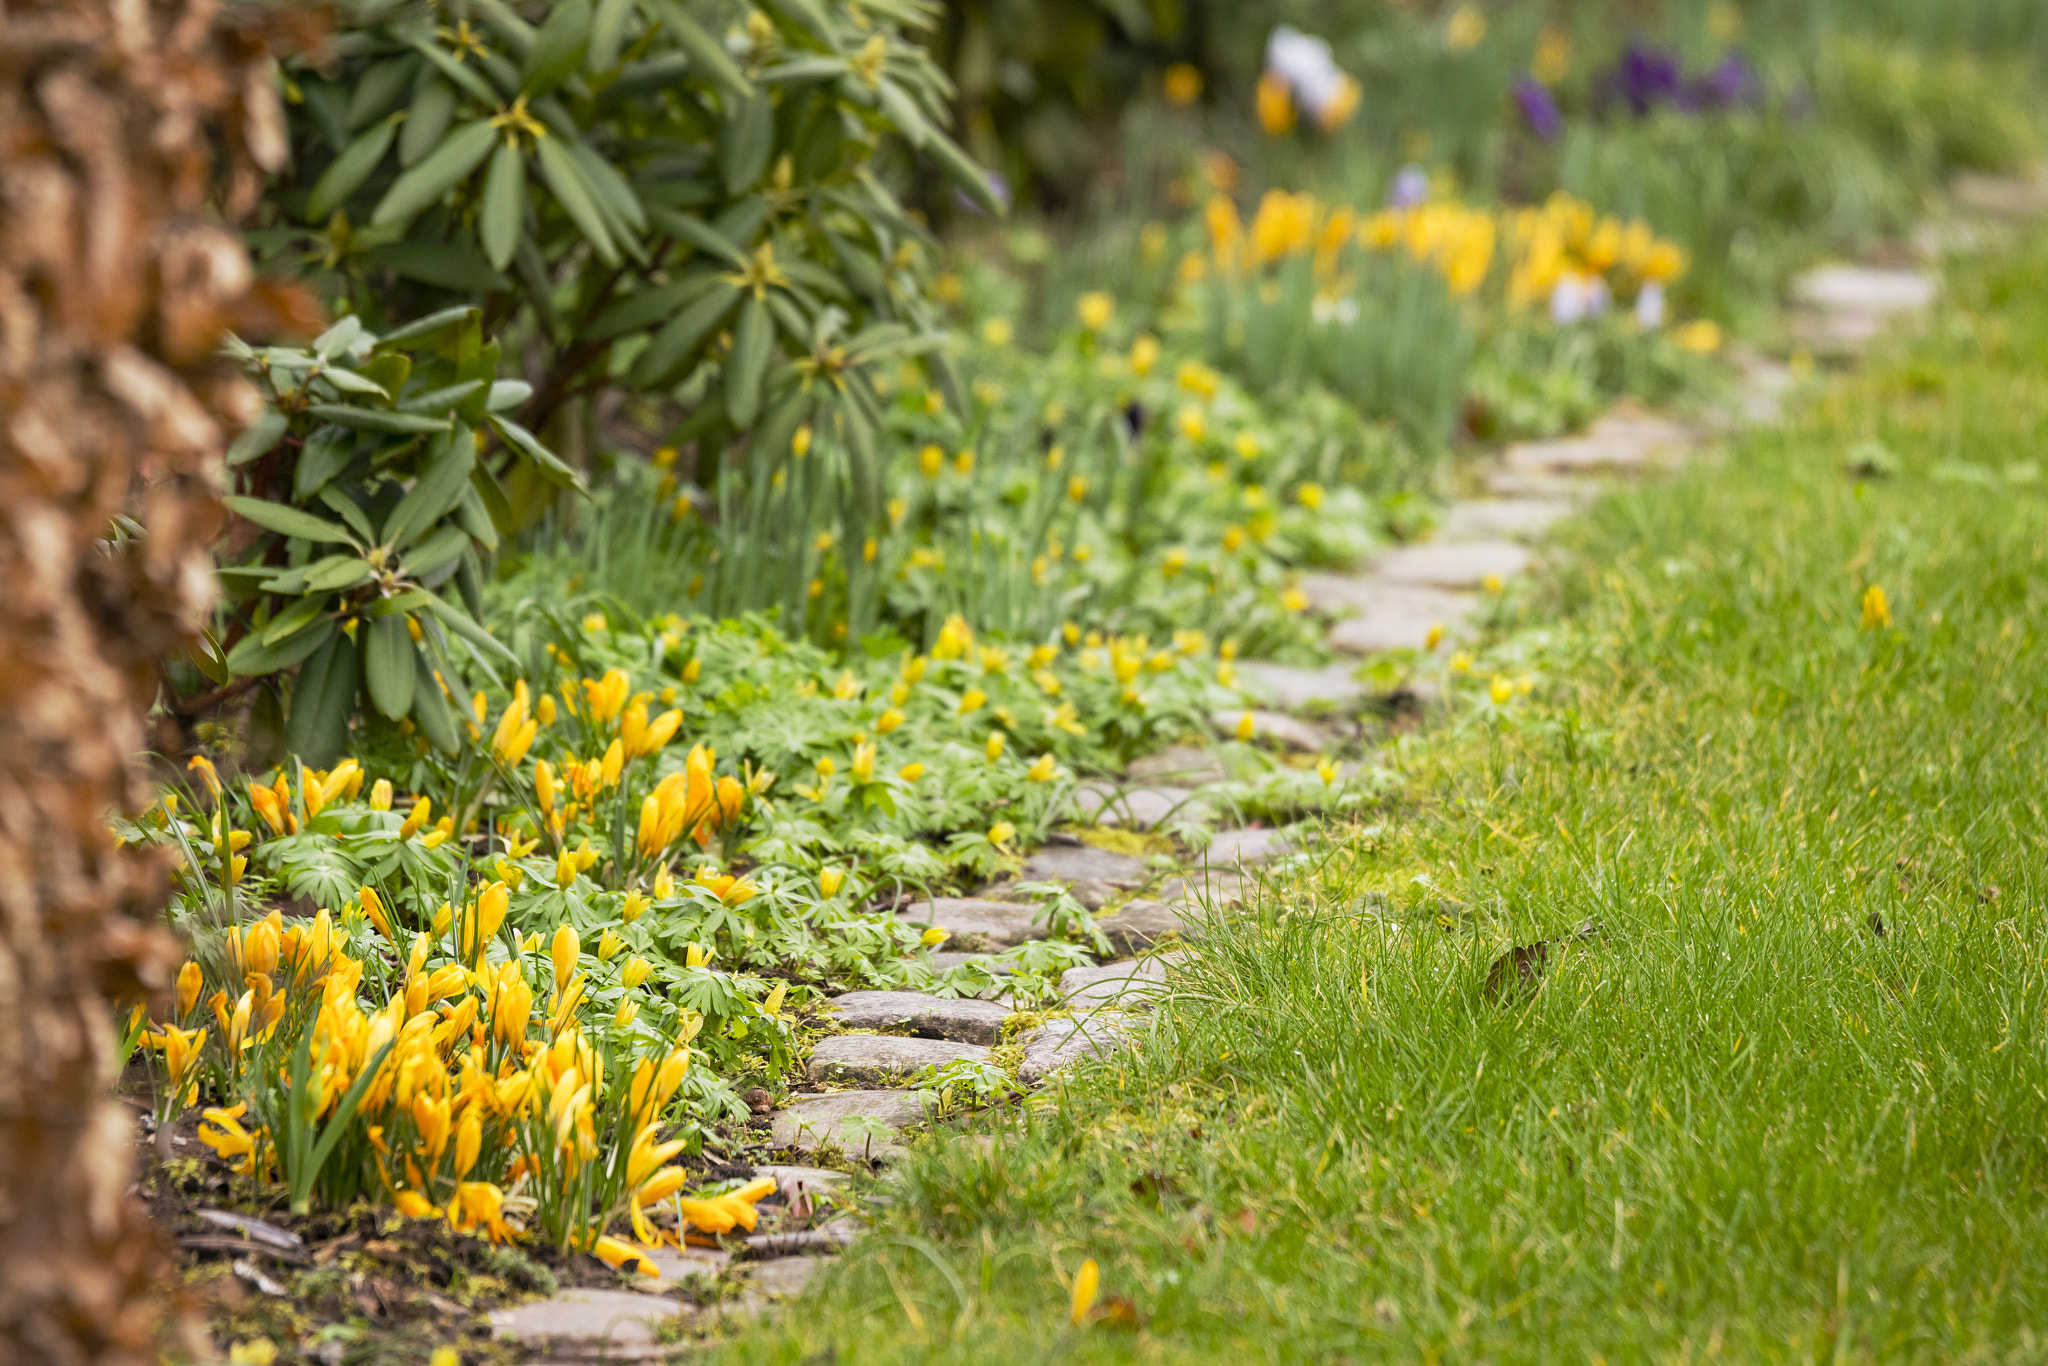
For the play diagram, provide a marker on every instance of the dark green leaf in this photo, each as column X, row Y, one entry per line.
column 447, row 265
column 317, row 729
column 294, row 619
column 337, row 573
column 444, row 474
column 388, row 667
column 558, row 47
column 460, row 622
column 648, row 306
column 286, row 521
column 707, row 52
column 345, row 175
column 607, row 32
column 376, row 420
column 502, row 215
column 698, row 233
column 433, row 109
column 381, row 89
column 527, row 444
column 422, row 331
column 752, row 342
column 438, row 172
column 458, row 72
column 259, row 438
column 674, row 343
column 252, row 658
column 745, row 140
column 430, row 707
column 559, row 169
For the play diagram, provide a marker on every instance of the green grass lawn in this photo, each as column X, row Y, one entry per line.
column 1734, row 1122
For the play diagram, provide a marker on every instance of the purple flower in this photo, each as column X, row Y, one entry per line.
column 1647, row 77
column 1539, row 108
column 1410, row 187
column 1727, row 85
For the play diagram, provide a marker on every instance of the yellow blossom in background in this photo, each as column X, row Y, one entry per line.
column 1246, row 727
column 1274, row 104
column 994, row 747
column 1465, row 30
column 1183, row 84
column 830, row 880
column 1501, row 689
column 1461, row 662
column 1326, row 769
column 1144, row 354
column 1309, row 495
column 1042, row 770
column 1702, row 337
column 1095, row 309
column 931, row 460
column 1001, row 833
column 1435, row 636
column 1294, row 600
column 1877, row 609
column 1086, row 1281
column 910, row 773
column 935, row 936
column 1553, row 59
column 1192, row 422
column 998, row 332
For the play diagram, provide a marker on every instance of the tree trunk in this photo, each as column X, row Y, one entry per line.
column 122, row 124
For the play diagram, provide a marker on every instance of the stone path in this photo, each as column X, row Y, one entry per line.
column 1416, row 598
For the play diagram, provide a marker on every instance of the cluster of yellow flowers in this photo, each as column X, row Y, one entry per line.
column 447, row 1083
column 1539, row 247
column 1566, row 238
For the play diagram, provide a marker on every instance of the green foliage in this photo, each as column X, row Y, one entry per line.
column 372, row 485
column 680, row 197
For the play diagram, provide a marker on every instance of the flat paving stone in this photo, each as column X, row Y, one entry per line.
column 1180, row 764
column 679, row 1264
column 1275, row 727
column 973, row 925
column 880, row 1059
column 1232, row 847
column 1130, row 984
column 2002, row 196
column 1070, row 863
column 588, row 1325
column 1453, row 564
column 1540, row 482
column 1061, row 1043
column 809, row 1122
column 1375, row 596
column 1365, row 636
column 1865, row 289
column 1296, row 689
column 1137, row 808
column 1517, row 517
column 782, row 1278
column 793, row 1181
column 1140, row 925
column 930, row 1017
column 1621, row 440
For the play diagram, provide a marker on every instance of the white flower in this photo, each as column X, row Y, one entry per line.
column 1650, row 306
column 1308, row 68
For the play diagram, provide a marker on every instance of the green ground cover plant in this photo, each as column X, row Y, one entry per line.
column 1689, row 1006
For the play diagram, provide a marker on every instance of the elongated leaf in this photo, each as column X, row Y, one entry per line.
column 962, row 168
column 527, row 444
column 441, row 549
column 317, row 729
column 559, row 169
column 502, row 215
column 674, row 343
column 252, row 658
column 745, row 141
column 259, row 438
column 697, row 233
column 422, row 331
column 707, row 52
column 337, row 573
column 473, row 518
column 376, row 420
column 430, row 707
column 607, row 33
column 381, row 89
column 458, row 72
column 433, row 109
column 349, row 170
column 444, row 474
column 439, row 172
column 558, row 47
column 349, row 382
column 447, row 265
column 388, row 669
column 508, row 393
column 442, row 399
column 294, row 619
column 806, row 68
column 649, row 306
column 343, row 1116
column 614, row 194
column 752, row 341
column 286, row 521
column 462, row 624
column 350, row 511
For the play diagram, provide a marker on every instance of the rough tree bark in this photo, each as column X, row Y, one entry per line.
column 125, row 126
